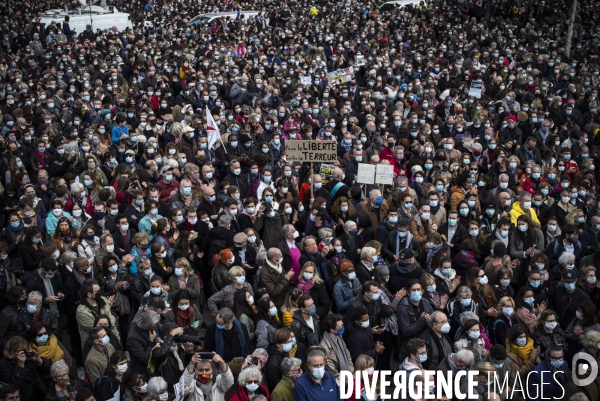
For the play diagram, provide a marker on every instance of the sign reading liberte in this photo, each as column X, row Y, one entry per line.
column 311, row 151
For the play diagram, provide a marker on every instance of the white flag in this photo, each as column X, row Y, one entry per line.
column 212, row 129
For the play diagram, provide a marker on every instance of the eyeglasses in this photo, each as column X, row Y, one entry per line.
column 252, row 382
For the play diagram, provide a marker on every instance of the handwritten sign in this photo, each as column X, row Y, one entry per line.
column 360, row 60
column 340, row 76
column 366, row 173
column 311, row 151
column 475, row 89
column 305, row 80
column 384, row 174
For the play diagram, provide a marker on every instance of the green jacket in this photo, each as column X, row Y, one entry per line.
column 86, row 317
column 284, row 391
column 97, row 362
column 589, row 260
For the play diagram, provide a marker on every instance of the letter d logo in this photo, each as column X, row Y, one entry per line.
column 583, row 368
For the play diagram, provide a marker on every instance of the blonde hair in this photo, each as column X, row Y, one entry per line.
column 503, row 300
column 583, row 272
column 138, row 238
column 186, row 265
column 316, row 278
column 236, row 271
column 363, row 362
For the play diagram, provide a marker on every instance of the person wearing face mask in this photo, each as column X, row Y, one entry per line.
column 416, row 357
column 338, row 355
column 436, row 339
column 112, row 381
column 204, row 381
column 47, row 281
column 186, row 315
column 547, row 331
column 91, row 302
column 305, row 322
column 565, row 243
column 35, row 312
column 586, row 320
column 556, row 368
column 568, row 298
column 413, row 314
column 470, row 338
column 511, row 132
column 521, row 350
column 225, row 297
column 158, row 289
column 100, row 354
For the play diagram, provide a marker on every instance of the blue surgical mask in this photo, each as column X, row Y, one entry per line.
column 557, row 363
column 474, row 335
column 521, row 341
column 528, row 301
column 505, row 282
column 431, row 288
column 534, row 284
column 220, row 326
column 569, row 286
column 415, row 296
column 465, row 302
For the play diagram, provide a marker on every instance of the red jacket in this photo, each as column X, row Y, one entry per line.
column 89, row 206
column 530, row 187
column 241, row 395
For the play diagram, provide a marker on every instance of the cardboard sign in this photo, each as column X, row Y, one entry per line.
column 311, row 151
column 326, row 172
column 305, row 80
column 340, row 76
column 360, row 60
column 366, row 173
column 70, row 147
column 375, row 174
column 384, row 174
column 475, row 89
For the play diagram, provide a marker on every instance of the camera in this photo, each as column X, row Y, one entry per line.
column 255, row 361
column 188, row 339
column 29, row 353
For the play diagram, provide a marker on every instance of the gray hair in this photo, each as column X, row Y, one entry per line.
column 349, row 224
column 476, row 145
column 524, row 195
column 337, row 173
column 37, row 295
column 147, row 320
column 503, row 175
column 156, row 385
column 323, row 232
column 564, row 257
column 287, row 364
column 56, row 367
column 373, row 192
column 224, row 221
column 76, row 187
column 367, row 251
column 464, row 290
column 313, row 353
column 402, row 180
column 248, row 373
column 287, row 229
column 433, row 317
column 272, row 253
column 468, row 316
column 227, row 315
column 303, row 244
column 466, row 356
column 261, row 257
column 262, row 351
column 579, row 397
column 381, row 273
column 68, row 257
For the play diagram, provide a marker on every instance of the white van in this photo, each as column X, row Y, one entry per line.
column 208, row 18
column 78, row 19
column 390, row 5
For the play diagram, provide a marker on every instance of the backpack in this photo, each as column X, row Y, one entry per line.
column 97, row 386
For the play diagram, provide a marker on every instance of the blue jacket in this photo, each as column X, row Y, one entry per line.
column 306, row 389
column 117, row 132
column 343, row 293
column 547, row 385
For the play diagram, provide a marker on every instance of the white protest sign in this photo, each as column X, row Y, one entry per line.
column 475, row 89
column 384, row 174
column 70, row 147
column 305, row 80
column 366, row 173
column 360, row 60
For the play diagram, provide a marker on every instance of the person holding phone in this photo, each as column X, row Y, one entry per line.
column 204, row 381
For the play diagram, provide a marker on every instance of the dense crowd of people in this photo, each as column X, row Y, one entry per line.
column 143, row 257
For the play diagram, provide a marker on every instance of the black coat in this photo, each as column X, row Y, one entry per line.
column 24, row 321
column 460, row 233
column 569, row 314
column 304, row 334
column 71, row 291
column 322, row 302
column 388, row 249
column 29, row 379
column 359, row 243
column 236, row 347
column 159, row 270
column 220, row 277
column 139, row 286
column 36, row 283
column 120, row 242
column 401, row 274
column 362, row 273
column 250, row 257
column 139, row 348
column 360, row 341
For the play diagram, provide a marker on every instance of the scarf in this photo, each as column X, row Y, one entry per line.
column 183, row 318
column 173, row 350
column 292, row 353
column 491, row 155
column 13, row 233
column 27, row 220
column 368, row 265
column 70, row 395
column 142, row 253
column 277, row 268
column 49, row 292
column 321, row 267
column 164, row 235
column 50, row 350
column 339, row 350
column 41, row 157
column 522, row 352
column 220, row 345
column 65, row 236
column 431, row 252
column 305, row 285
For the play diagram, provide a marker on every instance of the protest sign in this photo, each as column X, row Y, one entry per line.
column 305, row 80
column 326, row 172
column 311, row 151
column 384, row 174
column 475, row 89
column 360, row 60
column 366, row 173
column 340, row 76
column 70, row 147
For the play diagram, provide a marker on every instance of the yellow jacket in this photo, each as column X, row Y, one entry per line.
column 517, row 211
column 313, row 11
